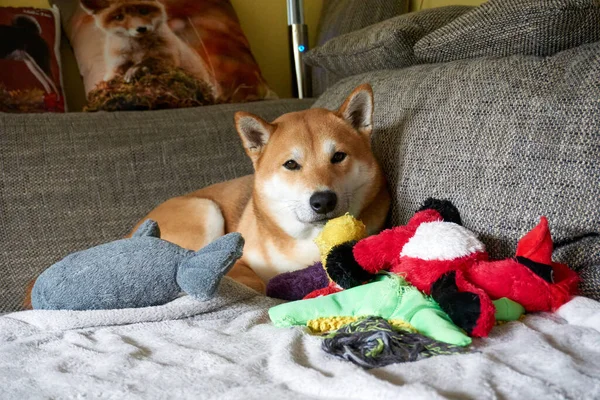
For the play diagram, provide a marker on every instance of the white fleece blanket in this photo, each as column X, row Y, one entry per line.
column 227, row 349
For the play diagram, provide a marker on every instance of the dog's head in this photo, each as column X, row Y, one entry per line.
column 134, row 18
column 314, row 165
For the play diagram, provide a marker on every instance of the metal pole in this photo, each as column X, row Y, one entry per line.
column 298, row 37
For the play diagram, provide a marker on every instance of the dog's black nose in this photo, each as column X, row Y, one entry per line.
column 323, row 202
column 142, row 29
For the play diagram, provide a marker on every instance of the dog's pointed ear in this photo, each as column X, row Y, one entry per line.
column 93, row 6
column 254, row 131
column 357, row 109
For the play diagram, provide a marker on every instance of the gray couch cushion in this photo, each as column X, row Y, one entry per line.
column 501, row 28
column 386, row 45
column 68, row 182
column 506, row 139
column 590, row 280
column 583, row 255
column 342, row 16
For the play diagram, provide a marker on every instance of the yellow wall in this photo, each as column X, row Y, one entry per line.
column 265, row 24
column 25, row 3
column 416, row 5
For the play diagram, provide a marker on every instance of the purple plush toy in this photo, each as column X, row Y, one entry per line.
column 297, row 284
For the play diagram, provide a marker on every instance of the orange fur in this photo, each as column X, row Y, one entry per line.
column 27, row 298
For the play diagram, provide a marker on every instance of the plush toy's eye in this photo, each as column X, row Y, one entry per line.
column 338, row 157
column 118, row 17
column 144, row 11
column 291, row 165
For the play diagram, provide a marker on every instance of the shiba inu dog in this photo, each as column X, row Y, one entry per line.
column 136, row 33
column 310, row 166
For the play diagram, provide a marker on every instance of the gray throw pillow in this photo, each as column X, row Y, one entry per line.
column 501, row 28
column 386, row 45
column 343, row 16
column 505, row 139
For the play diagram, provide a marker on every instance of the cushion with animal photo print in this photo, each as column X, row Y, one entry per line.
column 156, row 54
column 30, row 71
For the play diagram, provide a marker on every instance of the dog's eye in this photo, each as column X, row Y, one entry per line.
column 291, row 165
column 338, row 157
column 144, row 11
column 118, row 17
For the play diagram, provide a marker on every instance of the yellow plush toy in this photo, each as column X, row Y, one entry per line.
column 338, row 231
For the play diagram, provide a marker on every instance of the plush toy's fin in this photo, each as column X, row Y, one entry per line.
column 200, row 274
column 537, row 244
column 147, row 228
column 507, row 310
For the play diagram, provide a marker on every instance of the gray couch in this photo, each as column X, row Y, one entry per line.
column 506, row 136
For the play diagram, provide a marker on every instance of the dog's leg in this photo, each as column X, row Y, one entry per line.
column 192, row 223
column 242, row 273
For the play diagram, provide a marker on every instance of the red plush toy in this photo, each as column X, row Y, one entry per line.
column 435, row 253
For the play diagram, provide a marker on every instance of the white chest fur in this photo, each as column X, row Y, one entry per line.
column 271, row 260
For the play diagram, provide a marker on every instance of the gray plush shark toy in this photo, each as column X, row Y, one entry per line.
column 141, row 271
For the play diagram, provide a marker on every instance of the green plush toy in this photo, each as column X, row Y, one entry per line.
column 389, row 296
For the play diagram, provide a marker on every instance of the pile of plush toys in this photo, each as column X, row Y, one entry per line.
column 410, row 292
column 432, row 275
